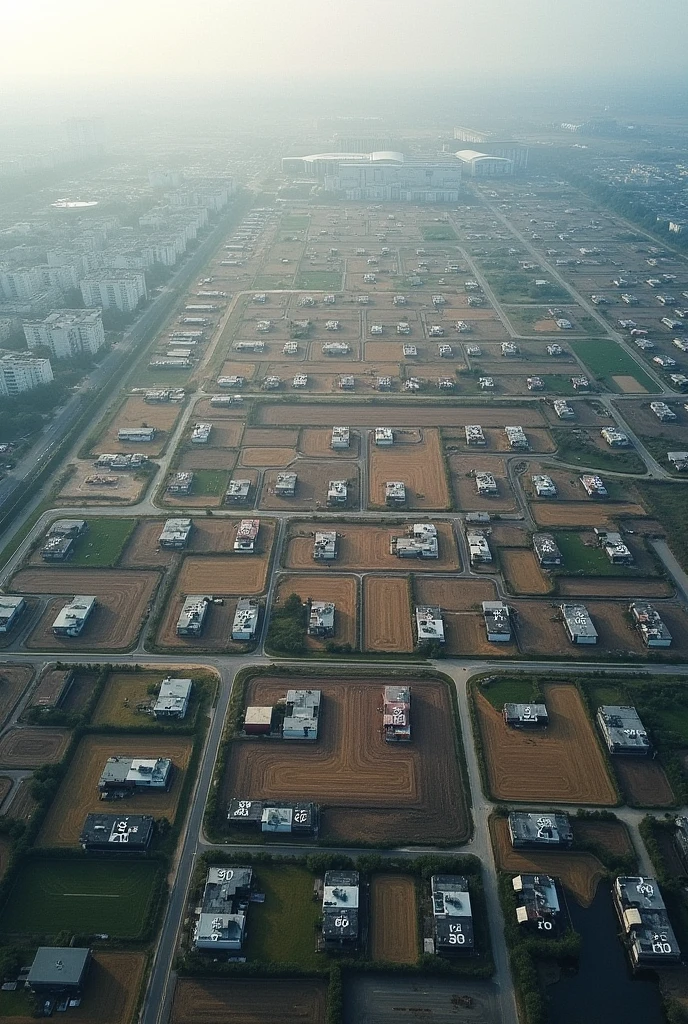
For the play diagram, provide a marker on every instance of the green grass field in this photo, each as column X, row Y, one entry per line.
column 103, row 543
column 667, row 502
column 438, row 232
column 213, row 482
column 605, row 359
column 283, row 928
column 54, row 895
column 505, row 689
column 575, row 447
column 319, row 280
column 271, row 282
column 580, row 559
column 295, row 222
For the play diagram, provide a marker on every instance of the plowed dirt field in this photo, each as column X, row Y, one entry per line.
column 387, row 611
column 419, row 466
column 394, row 928
column 341, row 590
column 268, row 1001
column 367, row 548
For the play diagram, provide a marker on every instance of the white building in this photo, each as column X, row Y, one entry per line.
column 429, row 624
column 73, row 616
column 115, row 291
column 245, row 619
column 67, row 332
column 482, row 165
column 173, row 698
column 22, row 373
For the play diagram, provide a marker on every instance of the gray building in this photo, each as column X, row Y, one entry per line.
column 221, row 922
column 173, row 698
column 452, row 914
column 176, row 533
column 301, row 715
column 117, row 833
column 647, row 932
column 650, row 624
column 497, row 618
column 245, row 619
column 10, row 610
column 193, row 614
column 537, row 902
column 539, row 830
column 546, row 550
column 270, row 816
column 123, row 774
column 321, row 619
column 59, row 971
column 525, row 716
column 578, row 624
column 340, row 908
column 622, row 730
column 72, row 618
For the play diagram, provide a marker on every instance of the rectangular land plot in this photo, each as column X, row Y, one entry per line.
column 123, row 597
column 223, row 574
column 217, row 628
column 384, row 415
column 78, row 794
column 562, row 763
column 463, row 468
column 314, row 442
column 30, row 748
column 133, row 413
column 643, row 781
column 419, row 466
column 341, row 590
column 394, row 931
column 371, row 998
column 125, row 490
column 53, row 895
column 14, row 680
column 312, row 480
column 541, row 630
column 522, row 572
column 583, row 513
column 243, row 1001
column 387, row 610
column 367, row 548
column 373, row 791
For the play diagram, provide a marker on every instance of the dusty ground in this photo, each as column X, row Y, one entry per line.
column 243, row 575
column 562, row 763
column 419, row 466
column 387, row 614
column 397, row 415
column 259, row 457
column 78, row 793
column 267, row 1001
column 142, row 550
column 584, row 513
column 134, row 412
column 315, row 443
column 466, row 494
column 579, row 872
column 126, row 489
column 612, row 835
column 123, row 597
column 204, row 458
column 465, row 635
column 342, row 590
column 366, row 548
column 373, row 791
column 217, row 628
column 23, row 804
column 453, row 595
column 629, row 385
column 642, row 781
column 541, row 630
column 394, row 927
column 266, row 437
column 29, row 748
column 225, row 433
column 522, row 572
column 14, row 680
column 311, row 486
column 589, row 587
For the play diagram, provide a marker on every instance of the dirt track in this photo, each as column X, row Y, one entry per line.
column 562, row 763
column 366, row 548
column 78, row 793
column 373, row 791
column 394, row 928
column 342, row 590
column 419, row 466
column 29, row 748
column 267, row 1001
column 387, row 623
column 579, row 872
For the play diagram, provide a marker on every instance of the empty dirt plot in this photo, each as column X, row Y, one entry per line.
column 22, row 804
column 260, row 457
column 583, row 513
column 580, row 872
column 394, row 414
column 374, row 791
column 367, row 548
column 217, row 628
column 78, row 794
column 419, row 466
column 342, row 591
column 611, row 835
column 628, row 385
column 315, row 443
column 142, row 550
column 522, row 572
column 206, row 458
column 562, row 763
column 13, row 682
column 387, row 614
column 30, row 748
column 114, row 487
column 268, row 1001
column 642, row 782
column 312, row 480
column 123, row 598
column 224, row 574
column 463, row 468
column 465, row 635
column 453, row 595
column 394, row 928
column 266, row 437
column 133, row 413
column 225, row 433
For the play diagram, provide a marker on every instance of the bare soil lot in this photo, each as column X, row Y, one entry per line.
column 387, row 614
column 642, row 782
column 522, row 572
column 462, row 468
column 583, row 513
column 394, row 928
column 580, row 872
column 341, row 590
column 125, row 489
column 419, row 466
column 396, row 415
column 123, row 599
column 14, row 680
column 30, row 748
column 453, row 595
column 562, row 763
column 367, row 548
column 373, row 791
column 259, row 457
column 645, row 422
column 266, row 437
column 217, row 628
column 314, row 442
column 541, row 631
column 590, row 587
column 133, row 413
column 311, row 486
column 142, row 550
column 227, row 574
column 203, row 458
column 268, row 1001
column 78, row 793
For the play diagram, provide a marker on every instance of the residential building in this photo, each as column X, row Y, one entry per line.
column 578, row 624
column 340, row 908
column 238, row 492
column 301, row 715
column 300, row 818
column 475, row 435
column 623, row 730
column 337, row 492
column 175, row 533
column 537, row 902
column 563, row 409
column 650, row 624
column 73, row 616
column 528, row 830
column 396, row 714
column 614, row 548
column 10, row 610
column 325, row 546
column 246, row 536
column 285, row 485
column 181, row 482
column 67, row 332
column 221, row 923
column 119, row 290
column 421, row 542
column 193, row 614
column 22, row 373
column 486, row 483
column 647, row 932
column 340, row 437
column 59, row 972
column 429, row 623
column 384, row 436
column 663, row 411
column 516, row 437
column 525, row 716
column 615, row 438
column 136, row 435
column 497, row 620
column 173, row 698
column 201, row 433
column 544, row 486
column 546, row 550
column 478, row 547
column 117, row 833
column 395, row 492
column 594, row 485
column 245, row 619
column 321, row 619
column 452, row 914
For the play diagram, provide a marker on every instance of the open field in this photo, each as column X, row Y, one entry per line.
column 341, row 590
column 13, row 682
column 642, row 781
column 134, row 413
column 522, row 572
column 371, row 998
column 311, row 486
column 463, row 467
column 453, row 595
column 579, row 871
column 80, row 691
column 124, row 691
column 22, row 804
column 266, row 437
column 264, row 1001
column 78, row 794
column 143, row 551
column 419, row 466
column 562, row 763
column 387, row 614
column 366, row 548
column 125, row 490
column 465, row 635
column 583, row 513
column 30, row 748
column 590, row 587
column 258, row 458
column 55, row 895
column 373, row 791
column 123, row 599
column 607, row 360
column 283, row 929
column 388, row 414
column 101, row 546
column 394, row 931
column 315, row 443
column 613, row 836
column 541, row 630
column 223, row 574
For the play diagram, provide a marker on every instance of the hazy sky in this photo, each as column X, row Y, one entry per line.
column 49, row 42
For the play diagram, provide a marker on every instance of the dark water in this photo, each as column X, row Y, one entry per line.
column 603, row 991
